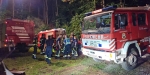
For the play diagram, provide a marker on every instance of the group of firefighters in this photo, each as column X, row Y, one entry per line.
column 68, row 45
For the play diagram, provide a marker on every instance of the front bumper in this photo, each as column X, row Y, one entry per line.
column 99, row 54
column 108, row 56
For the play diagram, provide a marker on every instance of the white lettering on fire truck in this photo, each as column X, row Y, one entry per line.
column 19, row 31
column 94, row 37
column 143, row 28
column 146, row 39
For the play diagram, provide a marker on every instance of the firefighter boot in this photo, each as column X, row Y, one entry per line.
column 69, row 57
column 34, row 56
column 65, row 56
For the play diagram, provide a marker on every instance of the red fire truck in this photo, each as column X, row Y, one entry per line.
column 54, row 32
column 20, row 32
column 116, row 34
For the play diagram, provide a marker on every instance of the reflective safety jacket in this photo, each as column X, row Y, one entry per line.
column 67, row 41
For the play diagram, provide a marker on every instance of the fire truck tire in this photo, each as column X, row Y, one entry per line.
column 131, row 60
column 96, row 60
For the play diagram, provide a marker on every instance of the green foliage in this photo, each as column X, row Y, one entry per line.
column 39, row 24
column 4, row 14
column 71, row 15
column 75, row 24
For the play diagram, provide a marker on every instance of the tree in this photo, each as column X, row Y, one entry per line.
column 45, row 12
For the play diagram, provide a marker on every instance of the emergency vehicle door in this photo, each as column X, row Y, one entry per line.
column 134, row 29
column 143, row 26
column 121, row 28
column 138, row 27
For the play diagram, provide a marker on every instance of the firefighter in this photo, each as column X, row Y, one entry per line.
column 11, row 45
column 71, row 39
column 58, row 46
column 67, row 50
column 48, row 46
column 74, row 45
column 42, row 42
column 35, row 47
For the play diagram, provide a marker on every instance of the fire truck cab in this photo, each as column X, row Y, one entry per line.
column 116, row 34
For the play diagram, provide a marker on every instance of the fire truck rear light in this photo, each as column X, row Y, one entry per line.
column 6, row 40
column 5, row 45
column 6, row 22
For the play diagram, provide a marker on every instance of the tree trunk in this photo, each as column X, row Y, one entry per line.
column 56, row 8
column 122, row 2
column 103, row 3
column 1, row 1
column 45, row 12
column 29, row 7
column 13, row 9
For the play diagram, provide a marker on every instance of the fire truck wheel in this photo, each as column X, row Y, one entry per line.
column 131, row 60
column 96, row 60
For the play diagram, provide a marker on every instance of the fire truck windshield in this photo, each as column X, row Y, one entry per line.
column 98, row 23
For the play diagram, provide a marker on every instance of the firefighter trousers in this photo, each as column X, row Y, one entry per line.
column 57, row 52
column 74, row 51
column 34, row 52
column 67, row 50
column 48, row 54
column 42, row 47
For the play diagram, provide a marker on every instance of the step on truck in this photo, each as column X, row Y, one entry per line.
column 17, row 33
column 116, row 34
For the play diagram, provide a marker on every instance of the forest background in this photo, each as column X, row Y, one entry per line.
column 48, row 14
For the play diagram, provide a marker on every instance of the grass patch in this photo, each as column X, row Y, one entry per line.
column 99, row 66
column 80, row 66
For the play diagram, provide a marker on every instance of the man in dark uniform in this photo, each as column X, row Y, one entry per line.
column 48, row 45
column 58, row 46
column 35, row 47
column 74, row 45
column 42, row 42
